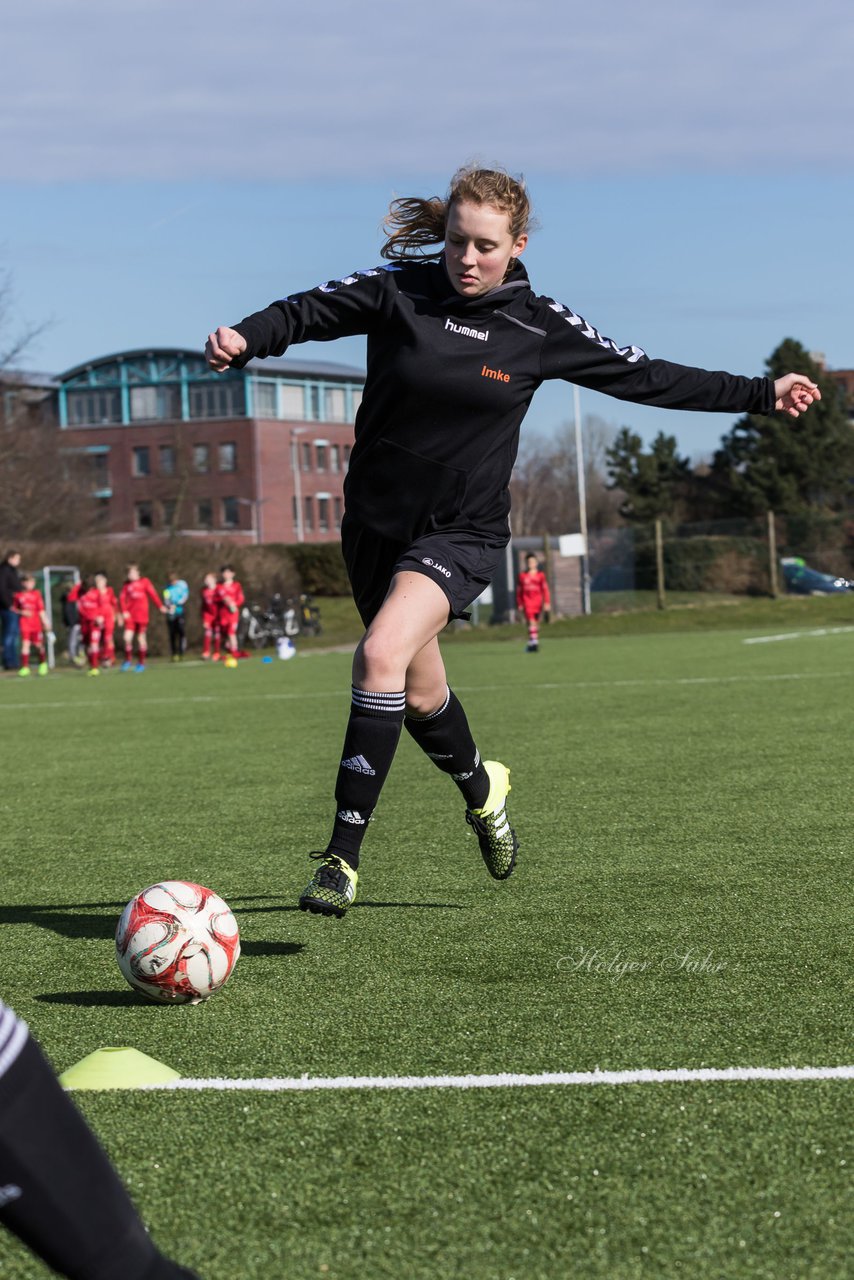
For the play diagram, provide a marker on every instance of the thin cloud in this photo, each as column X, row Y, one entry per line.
column 154, row 90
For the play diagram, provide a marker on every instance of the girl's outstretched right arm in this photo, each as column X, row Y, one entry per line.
column 337, row 309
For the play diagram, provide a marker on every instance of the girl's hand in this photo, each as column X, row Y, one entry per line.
column 222, row 346
column 795, row 393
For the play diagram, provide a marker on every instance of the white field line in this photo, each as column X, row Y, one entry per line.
column 343, row 694
column 798, row 635
column 679, row 1075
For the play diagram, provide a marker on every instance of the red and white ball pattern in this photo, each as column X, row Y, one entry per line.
column 177, row 942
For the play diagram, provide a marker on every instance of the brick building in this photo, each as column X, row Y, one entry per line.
column 257, row 454
column 844, row 379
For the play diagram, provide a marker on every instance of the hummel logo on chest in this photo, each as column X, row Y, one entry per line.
column 494, row 373
column 480, row 334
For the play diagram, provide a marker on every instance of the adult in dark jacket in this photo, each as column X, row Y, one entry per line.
column 10, row 583
column 458, row 343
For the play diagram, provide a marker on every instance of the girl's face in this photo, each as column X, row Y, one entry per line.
column 479, row 246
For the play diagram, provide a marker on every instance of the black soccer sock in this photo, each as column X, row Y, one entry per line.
column 370, row 742
column 58, row 1191
column 446, row 738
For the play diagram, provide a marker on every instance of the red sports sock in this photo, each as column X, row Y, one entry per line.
column 143, row 653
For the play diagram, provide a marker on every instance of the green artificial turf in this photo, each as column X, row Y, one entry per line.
column 683, row 807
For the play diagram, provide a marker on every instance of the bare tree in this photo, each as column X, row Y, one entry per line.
column 45, row 492
column 544, row 488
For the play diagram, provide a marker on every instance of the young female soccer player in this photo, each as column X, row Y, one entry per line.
column 29, row 605
column 133, row 601
column 532, row 598
column 97, row 607
column 458, row 343
column 229, row 600
column 210, row 613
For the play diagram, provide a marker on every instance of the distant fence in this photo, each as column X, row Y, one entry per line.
column 735, row 557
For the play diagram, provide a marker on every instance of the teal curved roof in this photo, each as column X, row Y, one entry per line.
column 167, row 364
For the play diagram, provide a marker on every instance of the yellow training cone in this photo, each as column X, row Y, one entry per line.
column 117, row 1069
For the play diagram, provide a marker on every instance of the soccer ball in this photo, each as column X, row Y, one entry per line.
column 230, row 662
column 177, row 942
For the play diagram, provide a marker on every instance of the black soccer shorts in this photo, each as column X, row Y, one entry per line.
column 463, row 564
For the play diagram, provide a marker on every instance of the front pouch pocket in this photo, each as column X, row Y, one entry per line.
column 402, row 494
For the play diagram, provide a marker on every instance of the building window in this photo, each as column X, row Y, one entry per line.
column 93, row 408
column 167, row 460
column 150, row 403
column 230, row 514
column 306, row 457
column 168, row 509
column 143, row 516
column 321, row 454
column 337, row 507
column 322, row 515
column 141, row 461
column 228, row 456
column 336, row 405
column 335, row 457
column 308, row 519
column 100, row 470
column 296, row 514
column 102, row 513
column 357, row 400
column 314, row 403
column 201, row 457
column 204, row 513
column 346, row 456
column 292, row 401
column 264, row 399
column 216, row 400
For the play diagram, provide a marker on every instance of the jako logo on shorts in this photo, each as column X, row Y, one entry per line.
column 433, row 565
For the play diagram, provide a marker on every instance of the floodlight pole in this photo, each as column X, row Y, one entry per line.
column 582, row 500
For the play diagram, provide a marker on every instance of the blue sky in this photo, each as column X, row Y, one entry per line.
column 167, row 167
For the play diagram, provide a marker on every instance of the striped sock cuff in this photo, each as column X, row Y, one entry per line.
column 383, row 705
column 434, row 714
column 13, row 1037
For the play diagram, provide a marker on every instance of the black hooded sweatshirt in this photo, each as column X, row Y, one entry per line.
column 450, row 378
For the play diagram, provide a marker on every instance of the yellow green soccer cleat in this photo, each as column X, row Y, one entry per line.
column 332, row 888
column 43, row 668
column 496, row 837
column 24, row 671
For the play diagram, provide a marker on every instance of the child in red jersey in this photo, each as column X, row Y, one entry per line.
column 229, row 599
column 210, row 614
column 133, row 602
column 28, row 603
column 533, row 599
column 96, row 608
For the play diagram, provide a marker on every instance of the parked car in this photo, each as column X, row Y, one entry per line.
column 801, row 580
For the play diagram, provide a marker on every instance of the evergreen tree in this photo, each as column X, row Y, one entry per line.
column 776, row 464
column 652, row 482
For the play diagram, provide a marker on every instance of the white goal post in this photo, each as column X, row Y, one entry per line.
column 54, row 575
